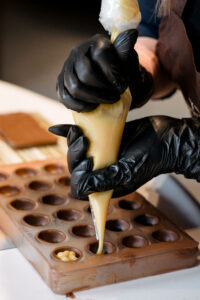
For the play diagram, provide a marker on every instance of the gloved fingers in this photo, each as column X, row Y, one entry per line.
column 77, row 152
column 77, row 178
column 71, row 132
column 77, row 143
column 104, row 55
column 60, row 129
column 124, row 44
column 90, row 75
column 69, row 101
column 119, row 176
column 83, row 92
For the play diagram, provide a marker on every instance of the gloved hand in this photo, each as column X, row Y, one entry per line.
column 150, row 146
column 98, row 71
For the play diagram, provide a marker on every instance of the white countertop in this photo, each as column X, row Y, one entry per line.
column 18, row 280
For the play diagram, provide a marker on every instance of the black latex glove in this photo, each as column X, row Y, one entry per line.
column 98, row 72
column 150, row 146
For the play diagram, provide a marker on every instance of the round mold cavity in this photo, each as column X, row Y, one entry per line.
column 25, row 172
column 83, row 230
column 62, row 249
column 117, row 225
column 22, row 204
column 36, row 220
column 68, row 214
column 9, row 190
column 53, row 199
column 134, row 241
column 51, row 236
column 3, row 177
column 165, row 235
column 54, row 169
column 39, row 185
column 129, row 204
column 108, row 248
column 147, row 220
column 63, row 181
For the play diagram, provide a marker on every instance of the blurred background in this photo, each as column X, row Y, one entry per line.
column 37, row 36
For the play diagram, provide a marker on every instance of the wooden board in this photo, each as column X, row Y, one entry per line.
column 39, row 214
column 8, row 155
column 21, row 130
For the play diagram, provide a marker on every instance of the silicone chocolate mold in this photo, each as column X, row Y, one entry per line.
column 40, row 215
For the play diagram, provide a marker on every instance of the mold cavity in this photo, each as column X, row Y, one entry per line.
column 88, row 209
column 25, row 172
column 51, row 236
column 64, row 181
column 62, row 249
column 108, row 248
column 9, row 190
column 36, row 220
column 134, row 241
column 117, row 225
column 147, row 220
column 54, row 169
column 165, row 235
column 84, row 230
column 39, row 186
column 52, row 199
column 129, row 205
column 3, row 177
column 22, row 204
column 68, row 214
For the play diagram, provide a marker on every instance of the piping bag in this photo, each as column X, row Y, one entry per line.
column 104, row 126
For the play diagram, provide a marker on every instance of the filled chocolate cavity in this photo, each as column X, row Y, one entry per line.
column 77, row 252
column 108, row 248
column 134, row 241
column 129, row 204
column 53, row 199
column 84, row 230
column 68, row 214
column 36, row 220
column 165, row 235
column 146, row 220
column 22, row 204
column 37, row 185
column 117, row 225
column 54, row 169
column 63, row 181
column 51, row 236
column 9, row 190
column 25, row 172
column 3, row 177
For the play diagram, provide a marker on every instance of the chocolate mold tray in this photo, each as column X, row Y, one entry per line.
column 39, row 214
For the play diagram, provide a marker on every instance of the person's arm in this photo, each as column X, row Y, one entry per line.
column 146, row 46
column 146, row 49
